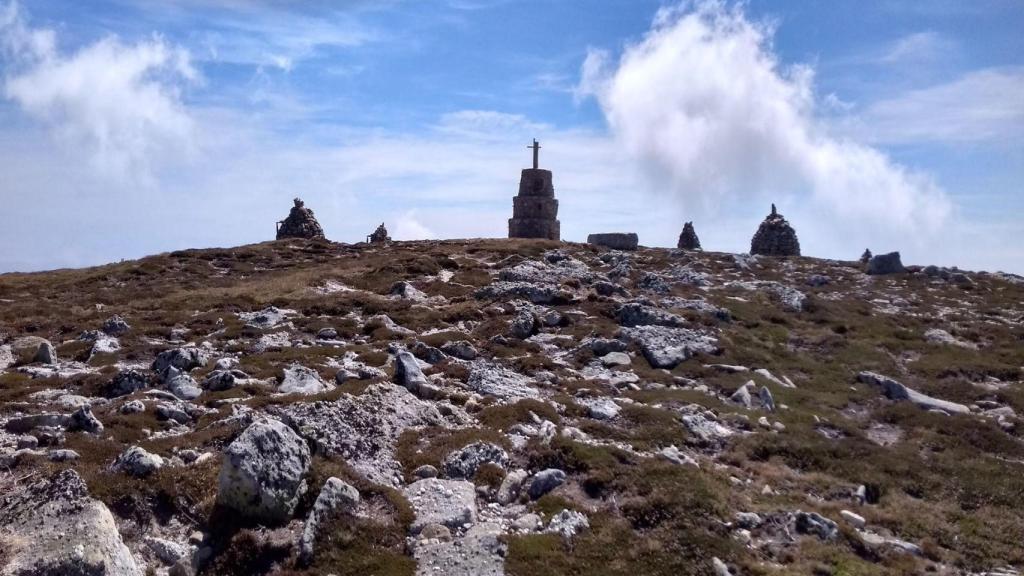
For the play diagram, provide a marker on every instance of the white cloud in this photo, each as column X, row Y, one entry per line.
column 409, row 227
column 918, row 48
column 119, row 103
column 980, row 106
column 703, row 102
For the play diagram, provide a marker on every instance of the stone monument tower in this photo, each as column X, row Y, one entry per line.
column 300, row 223
column 535, row 209
column 775, row 237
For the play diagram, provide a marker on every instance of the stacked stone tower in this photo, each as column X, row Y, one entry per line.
column 300, row 223
column 688, row 239
column 535, row 209
column 775, row 237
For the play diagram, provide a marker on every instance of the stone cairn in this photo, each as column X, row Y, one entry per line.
column 688, row 239
column 535, row 209
column 379, row 236
column 300, row 223
column 775, row 237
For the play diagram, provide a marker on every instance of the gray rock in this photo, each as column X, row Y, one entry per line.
column 535, row 293
column 115, row 326
column 749, row 520
column 27, row 442
column 125, row 383
column 854, row 519
column 527, row 523
column 63, row 455
column 510, row 487
column 407, row 291
column 616, row 359
column 184, row 359
column 262, row 476
column 499, row 381
column 605, row 346
column 635, row 314
column 666, row 347
column 327, row 333
column 451, row 503
column 301, row 380
column 336, row 497
column 220, row 380
column 478, row 552
column 135, row 461
column 767, row 401
column 601, row 408
column 83, row 419
column 52, row 527
column 523, row 325
column 29, row 349
column 460, row 349
column 181, row 384
column 363, row 429
column 425, row 471
column 427, row 353
column 817, row 525
column 675, row 456
column 742, row 395
column 885, row 264
column 615, row 240
column 26, row 424
column 168, row 411
column 545, row 481
column 168, row 552
column 46, row 354
column 567, row 523
column 719, row 567
column 464, row 462
column 408, row 373
column 897, row 391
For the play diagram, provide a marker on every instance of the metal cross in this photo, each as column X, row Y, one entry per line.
column 536, row 153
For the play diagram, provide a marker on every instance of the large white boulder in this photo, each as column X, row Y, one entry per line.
column 263, row 475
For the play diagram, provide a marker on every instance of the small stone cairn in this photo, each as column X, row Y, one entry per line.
column 300, row 223
column 775, row 237
column 688, row 239
column 379, row 236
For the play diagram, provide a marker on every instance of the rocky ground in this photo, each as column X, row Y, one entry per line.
column 509, row 407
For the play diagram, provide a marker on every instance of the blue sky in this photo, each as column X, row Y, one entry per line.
column 133, row 128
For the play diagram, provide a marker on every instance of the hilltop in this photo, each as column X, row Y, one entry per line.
column 523, row 407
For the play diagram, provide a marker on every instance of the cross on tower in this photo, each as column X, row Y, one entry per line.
column 536, row 153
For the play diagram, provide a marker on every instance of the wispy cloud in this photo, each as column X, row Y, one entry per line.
column 980, row 106
column 918, row 48
column 119, row 103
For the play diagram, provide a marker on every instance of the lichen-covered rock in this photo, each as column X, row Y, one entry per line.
column 408, row 373
column 336, row 497
column 135, row 461
column 897, row 391
column 184, row 359
column 125, row 383
column 298, row 379
column 464, row 462
column 666, row 347
column 450, row 503
column 263, row 474
column 53, row 527
column 545, row 481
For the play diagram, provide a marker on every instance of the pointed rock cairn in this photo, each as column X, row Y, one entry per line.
column 300, row 223
column 379, row 236
column 535, row 209
column 688, row 239
column 775, row 237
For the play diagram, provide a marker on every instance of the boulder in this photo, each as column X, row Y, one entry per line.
column 115, row 326
column 135, row 461
column 408, row 373
column 885, row 264
column 896, row 391
column 33, row 349
column 84, row 420
column 181, row 384
column 184, row 359
column 567, row 523
column 53, row 527
column 545, row 481
column 816, row 524
column 523, row 325
column 615, row 240
column 336, row 497
column 510, row 487
column 298, row 379
column 460, row 349
column 125, row 383
column 636, row 314
column 262, row 476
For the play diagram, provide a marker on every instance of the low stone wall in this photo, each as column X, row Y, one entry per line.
column 615, row 240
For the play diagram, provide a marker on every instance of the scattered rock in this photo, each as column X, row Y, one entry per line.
column 125, row 383
column 184, row 359
column 523, row 325
column 666, row 347
column 510, row 486
column 567, row 523
column 425, row 471
column 137, row 462
column 301, row 380
column 545, row 481
column 816, row 524
column 115, row 326
column 897, row 391
column 335, row 497
column 460, row 349
column 464, row 462
column 84, row 420
column 408, row 373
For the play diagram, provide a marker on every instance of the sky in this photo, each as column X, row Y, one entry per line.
column 133, row 128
